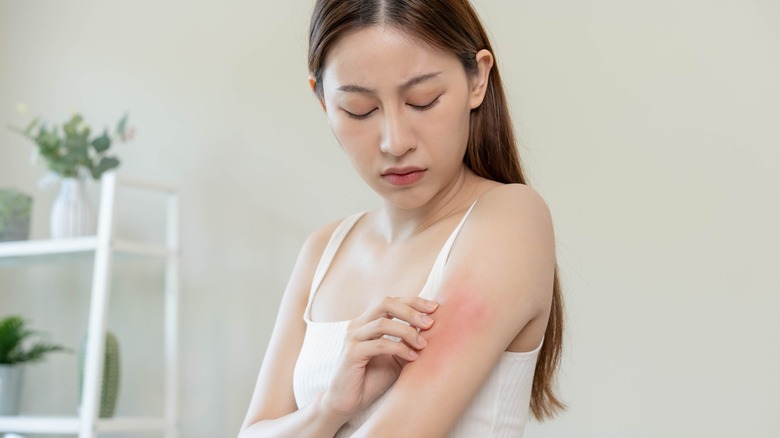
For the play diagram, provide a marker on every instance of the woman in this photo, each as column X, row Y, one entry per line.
column 438, row 314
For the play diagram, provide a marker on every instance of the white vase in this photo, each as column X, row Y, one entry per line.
column 71, row 215
column 10, row 388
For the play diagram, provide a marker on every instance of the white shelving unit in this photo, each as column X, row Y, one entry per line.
column 103, row 247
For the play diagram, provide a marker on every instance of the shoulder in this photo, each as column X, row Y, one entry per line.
column 317, row 240
column 516, row 210
column 507, row 245
column 308, row 259
column 514, row 199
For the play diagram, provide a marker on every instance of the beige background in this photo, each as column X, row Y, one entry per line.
column 649, row 127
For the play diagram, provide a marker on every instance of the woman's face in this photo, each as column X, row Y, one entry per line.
column 400, row 110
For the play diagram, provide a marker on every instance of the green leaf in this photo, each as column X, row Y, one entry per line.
column 38, row 351
column 76, row 151
column 120, row 128
column 13, row 333
column 48, row 143
column 106, row 163
column 102, row 143
column 84, row 134
column 71, row 128
column 11, row 336
column 31, row 126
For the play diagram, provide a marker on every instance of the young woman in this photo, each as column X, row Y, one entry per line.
column 440, row 313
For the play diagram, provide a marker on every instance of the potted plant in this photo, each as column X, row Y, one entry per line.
column 19, row 345
column 73, row 154
column 15, row 208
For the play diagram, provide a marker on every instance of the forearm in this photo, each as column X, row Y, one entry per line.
column 314, row 420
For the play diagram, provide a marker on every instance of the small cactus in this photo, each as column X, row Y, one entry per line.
column 110, row 385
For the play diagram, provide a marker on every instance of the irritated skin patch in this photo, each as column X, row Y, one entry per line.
column 462, row 313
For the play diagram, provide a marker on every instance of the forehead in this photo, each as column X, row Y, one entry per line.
column 380, row 56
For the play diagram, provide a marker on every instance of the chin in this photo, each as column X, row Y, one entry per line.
column 405, row 199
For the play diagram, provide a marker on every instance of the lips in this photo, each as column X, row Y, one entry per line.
column 403, row 176
column 401, row 170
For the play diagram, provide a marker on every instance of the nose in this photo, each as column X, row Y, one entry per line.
column 397, row 135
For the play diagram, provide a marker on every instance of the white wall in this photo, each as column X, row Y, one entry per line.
column 649, row 127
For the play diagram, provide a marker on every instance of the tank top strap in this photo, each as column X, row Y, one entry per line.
column 336, row 239
column 435, row 276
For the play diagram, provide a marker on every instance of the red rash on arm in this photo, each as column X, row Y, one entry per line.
column 463, row 311
column 463, row 320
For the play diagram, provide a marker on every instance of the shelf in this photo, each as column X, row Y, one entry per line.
column 31, row 251
column 101, row 250
column 25, row 248
column 41, row 424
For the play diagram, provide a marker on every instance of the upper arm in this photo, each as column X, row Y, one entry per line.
column 273, row 396
column 498, row 278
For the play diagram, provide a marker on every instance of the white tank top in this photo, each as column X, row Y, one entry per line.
column 500, row 408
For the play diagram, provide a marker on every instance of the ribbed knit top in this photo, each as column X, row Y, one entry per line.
column 500, row 408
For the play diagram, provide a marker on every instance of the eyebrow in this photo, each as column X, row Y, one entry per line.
column 406, row 85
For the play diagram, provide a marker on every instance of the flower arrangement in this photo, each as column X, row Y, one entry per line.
column 71, row 152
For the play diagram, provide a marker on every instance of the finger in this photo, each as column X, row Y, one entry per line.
column 381, row 346
column 419, row 303
column 413, row 310
column 389, row 327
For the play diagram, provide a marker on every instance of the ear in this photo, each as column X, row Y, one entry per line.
column 313, row 86
column 479, row 82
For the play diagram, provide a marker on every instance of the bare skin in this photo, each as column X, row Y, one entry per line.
column 412, row 104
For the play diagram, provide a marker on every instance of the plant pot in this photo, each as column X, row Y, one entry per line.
column 10, row 388
column 15, row 209
column 71, row 215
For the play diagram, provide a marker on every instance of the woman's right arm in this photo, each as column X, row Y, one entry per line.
column 273, row 411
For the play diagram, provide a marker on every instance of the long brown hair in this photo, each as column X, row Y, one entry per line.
column 453, row 26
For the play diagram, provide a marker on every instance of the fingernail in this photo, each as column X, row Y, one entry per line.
column 421, row 342
column 413, row 354
column 432, row 304
column 426, row 320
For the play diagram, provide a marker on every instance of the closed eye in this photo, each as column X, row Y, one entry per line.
column 359, row 116
column 426, row 107
column 417, row 107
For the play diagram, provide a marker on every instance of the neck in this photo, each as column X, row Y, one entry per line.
column 398, row 224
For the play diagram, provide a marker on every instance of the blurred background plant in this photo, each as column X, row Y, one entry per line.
column 15, row 214
column 70, row 152
column 13, row 335
column 18, row 347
